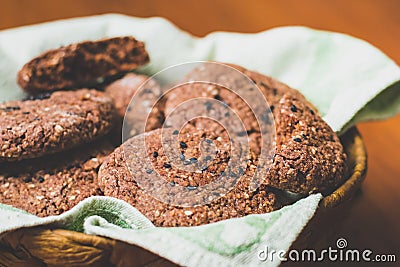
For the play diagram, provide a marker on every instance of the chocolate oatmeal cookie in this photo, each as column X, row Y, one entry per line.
column 189, row 169
column 82, row 64
column 309, row 156
column 53, row 123
column 318, row 172
column 53, row 184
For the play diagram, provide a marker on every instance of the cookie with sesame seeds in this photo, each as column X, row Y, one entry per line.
column 320, row 172
column 82, row 64
column 309, row 156
column 53, row 184
column 188, row 170
column 53, row 123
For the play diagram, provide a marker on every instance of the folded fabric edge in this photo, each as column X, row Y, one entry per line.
column 193, row 253
column 384, row 106
column 127, row 212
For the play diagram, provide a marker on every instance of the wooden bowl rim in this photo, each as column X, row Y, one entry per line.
column 356, row 151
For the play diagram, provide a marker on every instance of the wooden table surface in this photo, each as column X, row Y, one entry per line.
column 374, row 218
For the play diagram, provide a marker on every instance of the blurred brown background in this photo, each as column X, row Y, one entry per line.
column 373, row 220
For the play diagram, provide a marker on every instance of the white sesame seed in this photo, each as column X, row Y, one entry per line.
column 87, row 96
column 188, row 212
column 58, row 128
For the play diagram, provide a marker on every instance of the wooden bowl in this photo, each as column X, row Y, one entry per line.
column 42, row 246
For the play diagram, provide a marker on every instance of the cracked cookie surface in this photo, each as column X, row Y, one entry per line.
column 82, row 64
column 299, row 129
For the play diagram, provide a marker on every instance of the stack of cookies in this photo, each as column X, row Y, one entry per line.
column 63, row 142
column 53, row 142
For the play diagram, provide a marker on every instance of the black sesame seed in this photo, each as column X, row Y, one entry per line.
column 149, row 171
column 41, row 179
column 183, row 145
column 28, row 180
column 172, row 183
column 223, row 174
column 182, row 157
column 244, row 133
column 193, row 160
column 207, row 158
column 36, row 119
column 232, row 174
column 208, row 106
column 226, row 114
column 272, row 107
column 304, row 136
column 312, row 111
column 186, row 162
column 167, row 165
column 26, row 112
column 176, row 132
column 155, row 154
column 191, row 187
column 293, row 108
column 208, row 141
column 296, row 139
column 204, row 168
